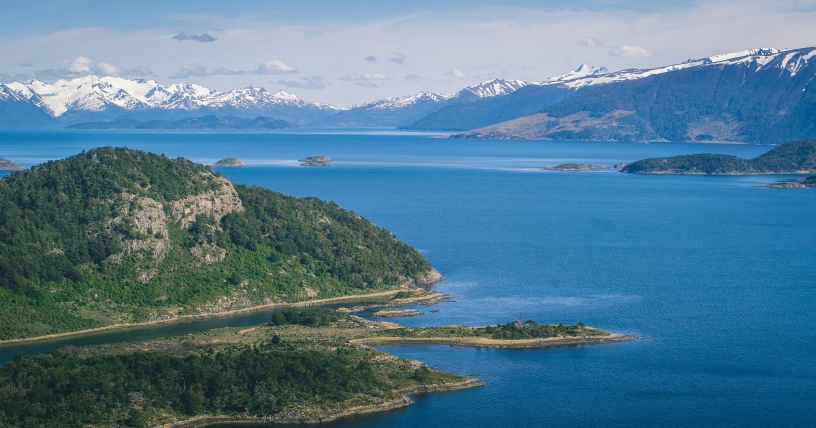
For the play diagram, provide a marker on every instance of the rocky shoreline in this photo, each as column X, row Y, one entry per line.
column 318, row 416
column 477, row 342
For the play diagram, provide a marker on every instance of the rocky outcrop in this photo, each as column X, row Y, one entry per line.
column 208, row 253
column 428, row 278
column 216, row 203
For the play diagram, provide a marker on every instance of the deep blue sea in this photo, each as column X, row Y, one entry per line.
column 715, row 275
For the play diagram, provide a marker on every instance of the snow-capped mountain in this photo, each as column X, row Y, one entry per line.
column 761, row 57
column 759, row 96
column 780, row 70
column 114, row 95
column 492, row 88
column 401, row 111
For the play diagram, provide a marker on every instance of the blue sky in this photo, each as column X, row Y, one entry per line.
column 353, row 52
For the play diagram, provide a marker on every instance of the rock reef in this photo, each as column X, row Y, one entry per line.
column 316, row 161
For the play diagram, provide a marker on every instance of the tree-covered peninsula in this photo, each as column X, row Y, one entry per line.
column 118, row 236
column 312, row 365
column 796, row 157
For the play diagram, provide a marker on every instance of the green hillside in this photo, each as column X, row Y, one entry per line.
column 114, row 235
column 789, row 158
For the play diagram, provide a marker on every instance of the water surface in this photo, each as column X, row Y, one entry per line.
column 716, row 275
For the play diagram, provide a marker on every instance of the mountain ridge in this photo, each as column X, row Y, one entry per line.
column 763, row 97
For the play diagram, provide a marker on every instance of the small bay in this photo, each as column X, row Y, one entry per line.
column 715, row 275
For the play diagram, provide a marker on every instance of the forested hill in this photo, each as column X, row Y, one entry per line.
column 790, row 158
column 114, row 235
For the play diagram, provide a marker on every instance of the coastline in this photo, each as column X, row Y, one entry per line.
column 478, row 342
column 328, row 415
column 224, row 314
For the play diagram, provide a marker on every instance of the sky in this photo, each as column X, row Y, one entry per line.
column 347, row 53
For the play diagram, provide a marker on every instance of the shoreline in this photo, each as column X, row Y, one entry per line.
column 329, row 415
column 224, row 314
column 479, row 342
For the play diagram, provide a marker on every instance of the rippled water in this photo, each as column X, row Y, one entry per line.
column 714, row 274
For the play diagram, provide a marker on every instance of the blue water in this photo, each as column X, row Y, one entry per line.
column 716, row 276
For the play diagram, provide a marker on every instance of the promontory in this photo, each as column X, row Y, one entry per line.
column 114, row 236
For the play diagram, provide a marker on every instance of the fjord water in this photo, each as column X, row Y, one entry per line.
column 715, row 275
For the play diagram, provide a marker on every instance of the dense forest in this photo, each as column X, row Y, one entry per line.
column 301, row 364
column 789, row 158
column 68, row 389
column 116, row 235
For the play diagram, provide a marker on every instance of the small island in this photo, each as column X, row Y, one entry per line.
column 7, row 165
column 577, row 167
column 229, row 162
column 316, row 161
column 304, row 366
column 797, row 157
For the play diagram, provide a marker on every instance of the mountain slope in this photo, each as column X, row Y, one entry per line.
column 120, row 236
column 762, row 97
column 17, row 110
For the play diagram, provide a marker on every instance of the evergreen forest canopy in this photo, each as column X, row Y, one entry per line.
column 789, row 158
column 114, row 235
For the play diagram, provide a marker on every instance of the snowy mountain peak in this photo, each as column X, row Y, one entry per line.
column 582, row 71
column 734, row 55
column 494, row 88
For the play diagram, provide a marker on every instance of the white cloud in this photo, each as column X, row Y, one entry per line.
column 371, row 58
column 275, row 67
column 106, row 69
column 590, row 41
column 457, row 73
column 413, row 78
column 629, row 50
column 81, row 65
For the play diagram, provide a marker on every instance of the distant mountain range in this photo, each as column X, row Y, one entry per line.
column 206, row 122
column 761, row 95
